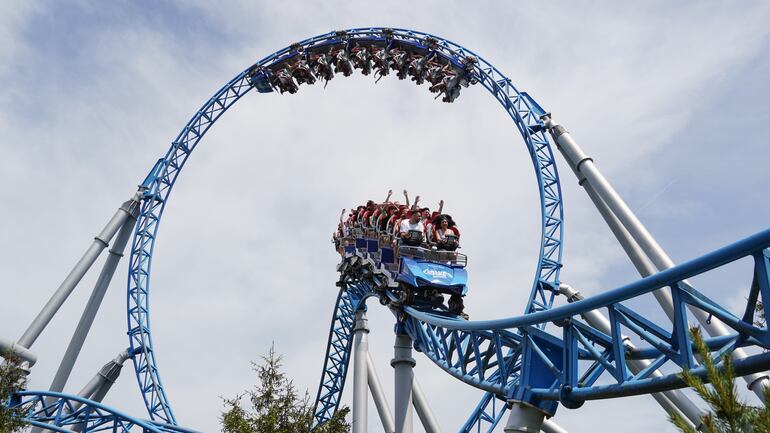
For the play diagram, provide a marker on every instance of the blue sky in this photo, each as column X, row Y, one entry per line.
column 669, row 99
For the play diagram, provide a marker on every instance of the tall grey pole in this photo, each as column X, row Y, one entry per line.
column 378, row 395
column 360, row 376
column 101, row 241
column 671, row 401
column 422, row 407
column 551, row 427
column 94, row 302
column 585, row 166
column 22, row 352
column 524, row 418
column 402, row 364
column 632, row 249
column 98, row 387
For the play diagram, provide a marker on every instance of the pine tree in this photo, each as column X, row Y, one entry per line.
column 274, row 405
column 727, row 414
column 12, row 380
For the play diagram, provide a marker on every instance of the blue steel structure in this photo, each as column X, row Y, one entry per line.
column 546, row 357
column 66, row 413
column 159, row 182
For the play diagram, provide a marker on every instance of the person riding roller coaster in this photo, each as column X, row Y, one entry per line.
column 412, row 247
column 411, row 230
column 445, row 233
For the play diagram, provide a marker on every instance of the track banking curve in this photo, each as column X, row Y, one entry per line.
column 159, row 182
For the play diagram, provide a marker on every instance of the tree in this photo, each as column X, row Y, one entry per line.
column 727, row 414
column 12, row 380
column 275, row 406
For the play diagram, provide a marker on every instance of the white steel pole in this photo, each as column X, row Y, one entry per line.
column 98, row 387
column 632, row 249
column 101, row 241
column 551, row 427
column 402, row 364
column 383, row 409
column 22, row 352
column 673, row 400
column 94, row 302
column 360, row 376
column 585, row 166
column 524, row 418
column 426, row 416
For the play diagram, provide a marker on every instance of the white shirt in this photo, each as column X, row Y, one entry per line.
column 407, row 225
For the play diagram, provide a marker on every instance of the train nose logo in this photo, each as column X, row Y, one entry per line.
column 436, row 273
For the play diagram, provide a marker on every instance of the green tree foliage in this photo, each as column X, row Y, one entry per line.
column 12, row 380
column 727, row 413
column 274, row 406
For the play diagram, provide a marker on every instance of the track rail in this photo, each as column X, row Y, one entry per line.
column 65, row 413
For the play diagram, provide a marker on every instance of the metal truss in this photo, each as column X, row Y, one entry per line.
column 351, row 297
column 159, row 183
column 486, row 415
column 568, row 367
column 67, row 413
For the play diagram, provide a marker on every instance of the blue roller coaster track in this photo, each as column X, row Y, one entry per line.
column 546, row 357
column 160, row 181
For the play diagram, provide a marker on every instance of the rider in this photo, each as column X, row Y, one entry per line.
column 409, row 227
column 447, row 235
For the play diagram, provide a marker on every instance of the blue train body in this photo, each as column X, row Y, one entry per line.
column 422, row 273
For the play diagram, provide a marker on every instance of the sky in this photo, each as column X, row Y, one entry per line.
column 670, row 99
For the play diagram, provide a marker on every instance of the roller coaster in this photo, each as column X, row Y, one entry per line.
column 562, row 350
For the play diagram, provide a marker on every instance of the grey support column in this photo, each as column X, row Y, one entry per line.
column 383, row 409
column 97, row 388
column 403, row 363
column 22, row 352
column 94, row 302
column 551, row 427
column 629, row 245
column 101, row 241
column 524, row 418
column 585, row 167
column 422, row 407
column 360, row 375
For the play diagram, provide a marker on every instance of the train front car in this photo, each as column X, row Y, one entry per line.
column 426, row 275
column 416, row 270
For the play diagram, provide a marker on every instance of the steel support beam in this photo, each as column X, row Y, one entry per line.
column 19, row 350
column 94, row 302
column 524, row 418
column 98, row 387
column 101, row 241
column 383, row 409
column 422, row 407
column 551, row 427
column 585, row 167
column 360, row 375
column 402, row 364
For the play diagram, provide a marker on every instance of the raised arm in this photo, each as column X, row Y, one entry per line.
column 342, row 214
column 406, row 196
column 441, row 206
column 387, row 199
column 416, row 200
